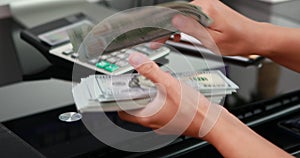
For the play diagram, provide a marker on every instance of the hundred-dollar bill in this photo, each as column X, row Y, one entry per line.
column 105, row 88
column 77, row 34
column 132, row 91
column 190, row 10
column 158, row 21
column 139, row 25
column 84, row 102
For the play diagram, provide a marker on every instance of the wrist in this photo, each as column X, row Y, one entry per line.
column 225, row 127
column 264, row 39
column 205, row 119
column 195, row 125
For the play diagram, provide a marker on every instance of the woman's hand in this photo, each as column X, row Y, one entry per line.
column 176, row 109
column 233, row 33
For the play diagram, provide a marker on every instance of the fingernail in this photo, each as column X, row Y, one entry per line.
column 179, row 21
column 137, row 59
column 155, row 45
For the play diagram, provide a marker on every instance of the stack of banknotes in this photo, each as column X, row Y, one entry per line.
column 133, row 91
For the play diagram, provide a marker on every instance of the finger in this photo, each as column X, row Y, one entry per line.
column 188, row 25
column 177, row 38
column 193, row 28
column 127, row 117
column 158, row 43
column 149, row 69
column 154, row 106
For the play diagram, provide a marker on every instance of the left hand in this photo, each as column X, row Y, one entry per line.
column 176, row 109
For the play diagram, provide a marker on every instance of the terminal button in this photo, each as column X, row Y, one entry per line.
column 75, row 55
column 102, row 64
column 67, row 52
column 111, row 68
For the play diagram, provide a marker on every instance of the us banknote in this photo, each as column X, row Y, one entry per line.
column 105, row 88
column 138, row 25
column 153, row 23
column 133, row 91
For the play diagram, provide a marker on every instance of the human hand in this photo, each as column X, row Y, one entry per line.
column 176, row 109
column 233, row 33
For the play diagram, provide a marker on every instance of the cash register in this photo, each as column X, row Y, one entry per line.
column 42, row 134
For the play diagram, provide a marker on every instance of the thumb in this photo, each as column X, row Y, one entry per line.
column 193, row 28
column 149, row 69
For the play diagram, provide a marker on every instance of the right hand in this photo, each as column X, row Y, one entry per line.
column 233, row 33
column 176, row 109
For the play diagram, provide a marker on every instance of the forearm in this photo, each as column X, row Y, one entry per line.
column 280, row 44
column 234, row 139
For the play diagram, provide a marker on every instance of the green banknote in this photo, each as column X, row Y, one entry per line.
column 133, row 86
column 152, row 23
column 132, row 91
column 138, row 25
column 77, row 35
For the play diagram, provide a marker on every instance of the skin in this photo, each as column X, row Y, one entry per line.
column 234, row 34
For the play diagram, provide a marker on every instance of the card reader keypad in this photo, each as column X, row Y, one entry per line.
column 112, row 63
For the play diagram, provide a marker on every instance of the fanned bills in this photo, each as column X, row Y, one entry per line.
column 155, row 22
column 138, row 25
column 132, row 91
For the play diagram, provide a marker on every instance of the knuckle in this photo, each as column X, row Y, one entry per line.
column 145, row 121
column 147, row 68
column 170, row 81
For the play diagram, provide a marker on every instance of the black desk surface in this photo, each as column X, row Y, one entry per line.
column 53, row 138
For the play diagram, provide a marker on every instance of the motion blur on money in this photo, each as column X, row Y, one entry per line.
column 133, row 91
column 132, row 27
